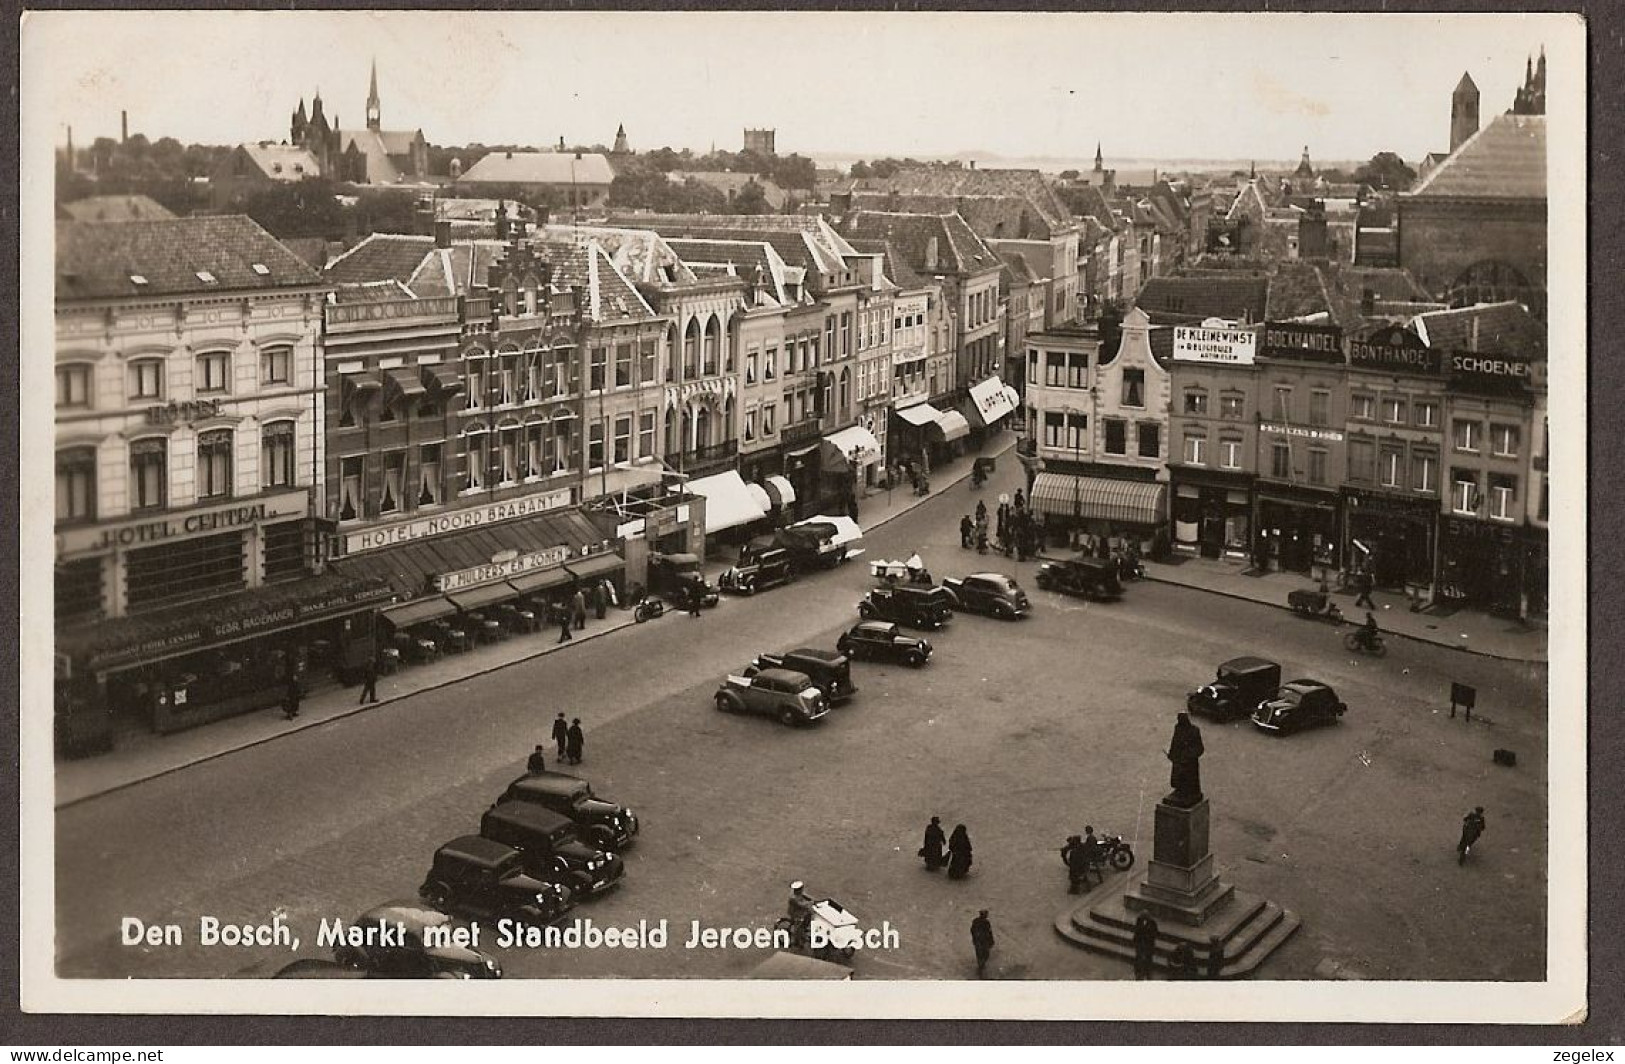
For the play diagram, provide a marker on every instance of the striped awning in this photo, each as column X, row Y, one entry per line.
column 1132, row 502
column 951, row 425
column 779, row 490
column 919, row 414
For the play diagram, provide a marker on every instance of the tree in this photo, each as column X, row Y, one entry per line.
column 751, row 200
column 1068, row 175
column 299, row 209
column 794, row 172
column 1385, row 170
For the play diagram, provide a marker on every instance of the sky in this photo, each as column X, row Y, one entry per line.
column 837, row 85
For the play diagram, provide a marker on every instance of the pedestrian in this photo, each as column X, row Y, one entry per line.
column 564, row 624
column 694, row 597
column 959, row 854
column 578, row 606
column 1145, row 946
column 1077, row 864
column 1094, row 854
column 574, row 741
column 966, row 529
column 932, row 848
column 1215, row 957
column 600, row 600
column 291, row 696
column 1364, row 582
column 1182, row 965
column 1472, row 826
column 536, row 762
column 981, row 512
column 981, row 940
column 999, row 518
column 1020, row 503
column 369, row 682
column 561, row 735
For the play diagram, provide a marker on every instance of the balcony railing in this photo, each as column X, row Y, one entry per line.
column 806, row 429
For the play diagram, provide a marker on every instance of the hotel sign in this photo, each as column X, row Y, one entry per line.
column 1306, row 432
column 1397, row 350
column 1303, row 343
column 455, row 521
column 519, row 565
column 1199, row 344
column 184, row 524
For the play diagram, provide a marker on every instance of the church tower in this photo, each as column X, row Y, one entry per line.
column 1463, row 112
column 1100, row 162
column 621, row 147
column 374, row 112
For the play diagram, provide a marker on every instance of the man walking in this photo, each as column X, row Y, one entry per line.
column 600, row 600
column 1364, row 582
column 1076, row 861
column 564, row 623
column 574, row 741
column 967, row 528
column 369, row 682
column 291, row 697
column 981, row 939
column 561, row 735
column 695, row 597
column 578, row 606
column 1472, row 826
column 1145, row 946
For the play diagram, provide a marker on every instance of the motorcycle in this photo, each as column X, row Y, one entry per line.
column 1116, row 852
column 826, row 923
column 648, row 609
column 1362, row 643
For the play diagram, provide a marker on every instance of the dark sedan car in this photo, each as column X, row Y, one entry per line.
column 993, row 594
column 1238, row 687
column 600, row 822
column 1298, row 705
column 406, row 940
column 883, row 641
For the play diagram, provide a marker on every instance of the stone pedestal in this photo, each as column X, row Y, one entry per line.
column 1180, row 883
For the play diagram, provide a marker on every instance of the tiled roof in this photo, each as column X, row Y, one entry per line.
column 801, row 240
column 642, row 255
column 1016, row 268
column 95, row 260
column 896, row 267
column 381, row 168
column 1504, row 160
column 1491, row 328
column 733, row 183
column 115, row 209
column 1297, row 290
column 370, row 292
column 282, row 162
column 1210, row 296
column 312, row 249
column 744, row 256
column 992, row 217
column 950, row 181
column 381, row 256
column 539, row 168
column 959, row 250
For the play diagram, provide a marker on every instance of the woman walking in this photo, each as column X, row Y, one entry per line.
column 959, row 854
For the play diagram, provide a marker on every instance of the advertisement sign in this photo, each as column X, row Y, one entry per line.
column 183, row 524
column 455, row 521
column 1306, row 432
column 516, row 566
column 1298, row 342
column 1489, row 374
column 1194, row 343
column 1397, row 350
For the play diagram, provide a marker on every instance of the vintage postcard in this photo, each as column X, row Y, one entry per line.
column 753, row 514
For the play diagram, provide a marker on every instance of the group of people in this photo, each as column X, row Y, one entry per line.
column 1182, row 963
column 939, row 850
column 572, row 612
column 1083, row 856
column 1015, row 529
column 568, row 740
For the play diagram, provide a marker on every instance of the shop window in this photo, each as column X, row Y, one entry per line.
column 474, row 445
column 646, row 433
column 1363, row 407
column 623, row 364
column 1319, row 407
column 350, row 473
column 1425, row 473
column 1393, row 410
column 508, row 445
column 750, row 367
column 214, row 464
column 73, row 386
column 1503, row 497
column 147, row 379
column 1280, row 461
column 1504, row 441
column 276, row 454
column 1464, row 435
column 1195, row 449
column 597, row 368
column 1134, row 387
column 1464, row 492
column 1427, row 415
column 429, row 475
column 190, row 569
column 1362, row 461
column 78, row 588
column 623, row 439
column 1317, row 465
column 1150, row 440
column 768, row 419
column 1388, row 468
column 1230, row 454
column 1232, row 406
column 1196, row 403
column 1116, row 436
column 284, row 550
column 75, row 485
column 276, row 365
column 595, row 445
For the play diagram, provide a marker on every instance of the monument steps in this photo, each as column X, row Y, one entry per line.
column 1251, row 928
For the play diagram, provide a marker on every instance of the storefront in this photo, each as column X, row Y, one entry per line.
column 850, row 459
column 1297, row 529
column 1392, row 536
column 1212, row 513
column 730, row 505
column 804, row 471
column 1104, row 508
column 1481, row 565
column 947, row 434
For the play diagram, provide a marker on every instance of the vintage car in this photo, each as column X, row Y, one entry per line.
column 485, row 880
column 792, row 697
column 551, row 847
column 883, row 641
column 993, row 594
column 918, row 607
column 1092, row 578
column 830, row 672
column 761, row 566
column 390, row 941
column 601, row 823
column 680, row 576
column 1298, row 705
column 820, row 542
column 1241, row 683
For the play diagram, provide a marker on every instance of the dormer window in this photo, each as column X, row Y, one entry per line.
column 137, row 279
column 261, row 269
column 205, row 276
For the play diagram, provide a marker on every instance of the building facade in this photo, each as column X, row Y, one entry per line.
column 1213, row 438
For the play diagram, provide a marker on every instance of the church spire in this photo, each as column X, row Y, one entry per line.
column 374, row 111
column 1100, row 162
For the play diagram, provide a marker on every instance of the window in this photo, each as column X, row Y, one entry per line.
column 1465, row 436
column 214, row 464
column 476, row 386
column 1283, row 403
column 1280, row 461
column 392, row 499
column 770, row 364
column 76, row 485
column 1196, row 403
column 598, row 367
column 1503, row 496
column 276, row 455
column 1054, row 429
column 1134, row 387
column 1232, row 406
column 595, row 445
column 829, row 337
column 429, row 475
column 1317, row 465
column 1463, row 491
column 1423, row 467
column 646, row 433
column 1504, row 441
column 1363, row 407
column 1116, row 436
column 1150, row 439
column 350, row 470
column 1230, row 454
column 1195, row 449
column 846, row 333
column 1362, row 460
column 623, row 438
column 147, row 379
column 1427, row 415
column 1319, row 404
column 1393, row 410
column 1077, row 371
column 474, row 445
column 623, row 364
column 73, row 386
column 767, row 419
column 750, row 424
column 562, row 446
column 846, row 389
column 648, row 353
column 1055, row 370
column 510, row 380
column 750, row 367
column 532, row 457
column 1390, row 466
column 276, row 365
column 508, row 449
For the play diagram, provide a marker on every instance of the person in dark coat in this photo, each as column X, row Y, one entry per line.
column 574, row 742
column 694, row 596
column 1364, row 582
column 1182, row 965
column 564, row 624
column 1077, row 863
column 967, row 528
column 291, row 696
column 981, row 940
column 1019, row 501
column 369, row 682
column 536, row 762
column 1145, row 946
column 981, row 512
column 1094, row 854
column 561, row 735
column 600, row 600
column 1472, row 826
column 1215, row 958
column 578, row 608
column 932, row 848
column 959, row 855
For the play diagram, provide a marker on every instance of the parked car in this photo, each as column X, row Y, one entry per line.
column 790, row 696
column 391, row 942
column 1240, row 685
column 918, row 607
column 679, row 577
column 821, row 542
column 883, row 641
column 551, row 847
column 994, row 594
column 1091, row 578
column 485, row 880
column 761, row 566
column 830, row 672
column 1298, row 705
column 602, row 823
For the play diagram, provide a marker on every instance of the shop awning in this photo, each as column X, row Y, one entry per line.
column 419, row 611
column 779, row 491
column 443, row 380
column 599, row 565
column 759, row 493
column 616, row 481
column 1133, row 502
column 541, row 580
column 727, row 502
column 475, row 598
column 951, row 425
column 854, row 446
column 919, row 414
column 989, row 401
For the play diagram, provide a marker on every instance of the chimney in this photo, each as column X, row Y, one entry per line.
column 442, row 234
column 561, row 144
column 124, row 127
column 543, row 214
column 1368, row 302
column 502, row 221
column 931, row 254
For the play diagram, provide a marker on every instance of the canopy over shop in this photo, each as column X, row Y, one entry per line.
column 1103, row 506
column 729, row 502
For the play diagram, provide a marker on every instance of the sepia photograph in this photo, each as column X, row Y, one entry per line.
column 805, row 514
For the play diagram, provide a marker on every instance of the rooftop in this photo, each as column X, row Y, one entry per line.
column 539, row 168
column 1243, row 298
column 1504, row 160
column 1489, row 328
column 114, row 209
column 173, row 256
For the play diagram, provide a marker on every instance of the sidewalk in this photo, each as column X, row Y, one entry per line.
column 1468, row 630
column 144, row 755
